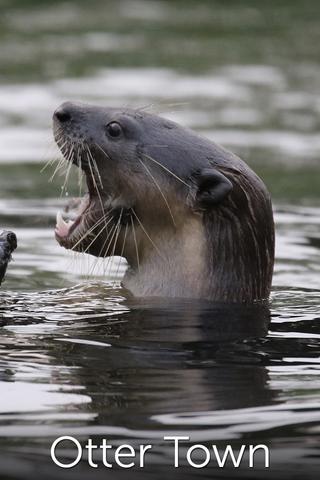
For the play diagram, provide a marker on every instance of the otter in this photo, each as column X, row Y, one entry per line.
column 191, row 218
column 8, row 243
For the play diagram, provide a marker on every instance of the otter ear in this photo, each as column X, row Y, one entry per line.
column 212, row 187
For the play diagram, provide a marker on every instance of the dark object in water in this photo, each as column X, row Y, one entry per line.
column 8, row 243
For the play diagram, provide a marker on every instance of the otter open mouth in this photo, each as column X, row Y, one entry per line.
column 75, row 224
column 70, row 223
column 83, row 222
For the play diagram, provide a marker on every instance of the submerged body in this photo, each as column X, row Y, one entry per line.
column 192, row 219
column 8, row 243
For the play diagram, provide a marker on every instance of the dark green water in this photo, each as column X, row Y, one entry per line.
column 76, row 356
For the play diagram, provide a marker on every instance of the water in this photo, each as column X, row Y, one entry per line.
column 79, row 356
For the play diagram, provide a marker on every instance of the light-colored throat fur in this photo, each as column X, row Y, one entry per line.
column 175, row 266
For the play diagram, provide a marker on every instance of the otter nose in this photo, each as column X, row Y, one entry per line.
column 63, row 113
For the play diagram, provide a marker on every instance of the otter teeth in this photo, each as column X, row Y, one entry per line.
column 63, row 227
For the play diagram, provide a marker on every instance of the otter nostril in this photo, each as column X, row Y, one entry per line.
column 62, row 114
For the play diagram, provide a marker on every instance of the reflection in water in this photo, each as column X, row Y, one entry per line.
column 100, row 364
column 129, row 365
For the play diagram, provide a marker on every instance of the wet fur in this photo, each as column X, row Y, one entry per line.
column 198, row 222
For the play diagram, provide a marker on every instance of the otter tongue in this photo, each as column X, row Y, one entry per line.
column 62, row 227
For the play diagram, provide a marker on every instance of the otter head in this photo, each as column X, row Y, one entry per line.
column 188, row 216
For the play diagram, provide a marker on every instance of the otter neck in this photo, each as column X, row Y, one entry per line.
column 171, row 266
column 217, row 257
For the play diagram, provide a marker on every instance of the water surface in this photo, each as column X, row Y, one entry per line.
column 78, row 355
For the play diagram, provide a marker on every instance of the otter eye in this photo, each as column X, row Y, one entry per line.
column 113, row 129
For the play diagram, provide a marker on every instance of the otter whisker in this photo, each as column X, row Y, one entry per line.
column 88, row 232
column 58, row 167
column 97, row 170
column 48, row 164
column 159, row 188
column 59, row 135
column 109, row 236
column 90, row 157
column 94, row 180
column 114, row 231
column 104, row 243
column 146, row 233
column 61, row 141
column 122, row 250
column 68, row 172
column 149, row 106
column 111, row 256
column 80, row 177
column 93, row 177
column 63, row 145
column 157, row 145
column 95, row 238
column 118, row 229
column 166, row 169
column 135, row 243
column 98, row 173
column 95, row 166
column 102, row 151
column 161, row 105
column 80, row 172
column 51, row 160
column 60, row 162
